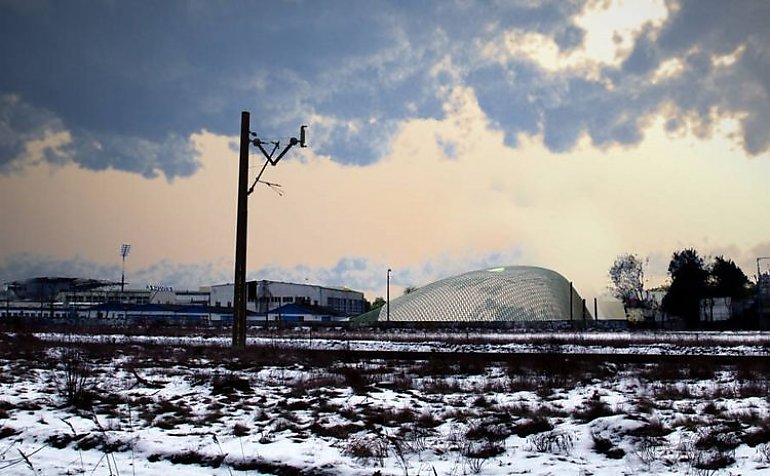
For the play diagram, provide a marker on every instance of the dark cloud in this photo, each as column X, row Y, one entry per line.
column 131, row 81
column 520, row 97
column 697, row 32
column 146, row 75
column 21, row 123
column 643, row 59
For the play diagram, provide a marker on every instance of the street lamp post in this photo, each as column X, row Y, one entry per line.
column 759, row 286
column 387, row 296
column 250, row 138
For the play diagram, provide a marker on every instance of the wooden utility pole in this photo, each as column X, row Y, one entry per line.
column 241, row 231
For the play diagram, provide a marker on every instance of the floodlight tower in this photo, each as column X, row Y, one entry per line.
column 125, row 249
column 250, row 138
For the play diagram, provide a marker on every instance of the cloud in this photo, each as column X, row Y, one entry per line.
column 420, row 211
column 370, row 276
column 179, row 275
column 25, row 265
column 700, row 62
column 131, row 83
column 23, row 125
column 356, row 273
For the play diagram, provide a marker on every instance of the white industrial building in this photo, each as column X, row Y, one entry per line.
column 58, row 298
column 265, row 296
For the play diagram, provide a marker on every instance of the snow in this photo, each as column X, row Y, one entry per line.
column 174, row 413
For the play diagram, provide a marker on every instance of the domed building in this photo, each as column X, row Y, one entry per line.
column 514, row 293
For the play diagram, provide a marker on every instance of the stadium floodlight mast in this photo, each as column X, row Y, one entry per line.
column 125, row 249
column 250, row 138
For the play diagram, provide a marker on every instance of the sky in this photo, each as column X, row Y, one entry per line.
column 444, row 137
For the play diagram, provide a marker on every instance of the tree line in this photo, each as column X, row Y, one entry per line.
column 692, row 279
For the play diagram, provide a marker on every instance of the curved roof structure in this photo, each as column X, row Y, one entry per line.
column 46, row 288
column 514, row 293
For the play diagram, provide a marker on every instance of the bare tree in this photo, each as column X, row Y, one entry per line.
column 627, row 277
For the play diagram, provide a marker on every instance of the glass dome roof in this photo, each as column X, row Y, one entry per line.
column 514, row 293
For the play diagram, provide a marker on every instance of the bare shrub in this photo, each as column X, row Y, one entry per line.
column 189, row 457
column 554, row 442
column 341, row 432
column 481, row 402
column 758, row 436
column 474, row 465
column 653, row 428
column 594, row 408
column 414, row 438
column 229, row 384
column 650, row 449
column 61, row 440
column 645, row 404
column 7, row 431
column 763, row 451
column 74, row 379
column 209, row 418
column 263, row 466
column 367, row 448
column 440, row 386
column 712, row 409
column 299, row 405
column 517, row 409
column 475, row 455
column 427, row 419
column 606, row 447
column 672, row 391
column 759, row 388
column 660, row 372
column 355, row 379
column 532, row 426
column 488, row 430
column 101, row 441
column 482, row 450
column 702, row 369
column 750, row 417
column 240, row 430
column 388, row 416
column 723, row 437
column 706, row 454
column 457, row 414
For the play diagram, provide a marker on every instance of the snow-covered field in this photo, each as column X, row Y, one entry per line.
column 111, row 404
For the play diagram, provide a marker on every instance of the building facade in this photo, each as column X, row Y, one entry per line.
column 265, row 296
